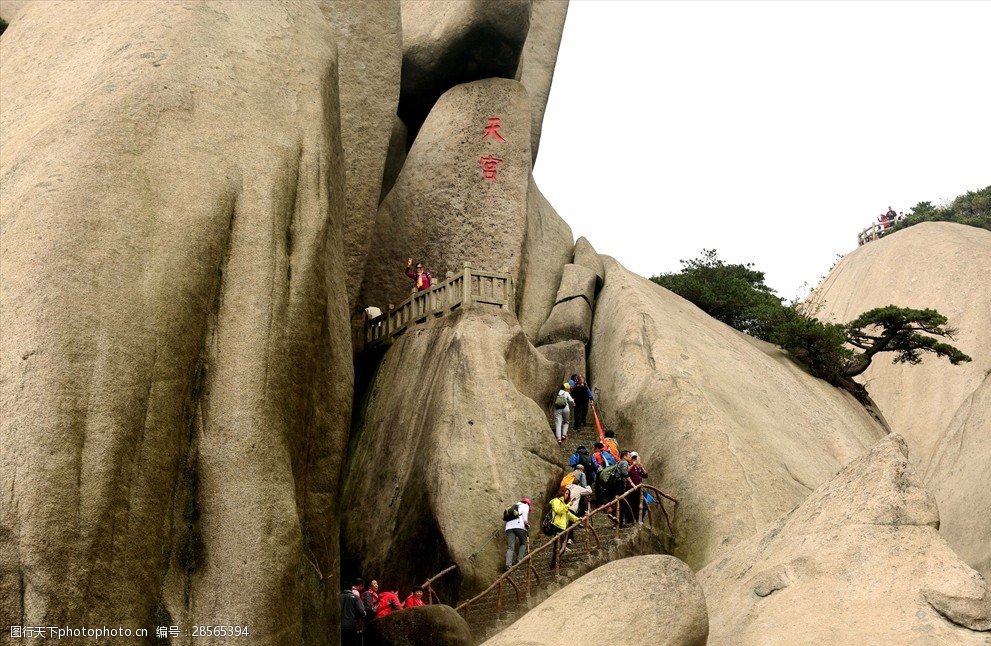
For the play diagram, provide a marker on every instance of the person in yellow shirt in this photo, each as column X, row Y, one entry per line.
column 561, row 515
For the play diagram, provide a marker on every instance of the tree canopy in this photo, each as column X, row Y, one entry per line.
column 732, row 293
column 972, row 208
column 736, row 295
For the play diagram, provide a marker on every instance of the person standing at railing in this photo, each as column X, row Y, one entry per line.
column 517, row 533
column 561, row 514
column 415, row 599
column 625, row 511
column 637, row 475
column 421, row 278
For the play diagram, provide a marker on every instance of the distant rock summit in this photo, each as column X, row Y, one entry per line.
column 200, row 422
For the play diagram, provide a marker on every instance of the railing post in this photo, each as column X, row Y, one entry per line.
column 466, row 302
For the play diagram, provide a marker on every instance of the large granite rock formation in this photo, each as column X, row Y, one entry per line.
column 430, row 625
column 941, row 409
column 639, row 600
column 448, row 42
column 731, row 426
column 959, row 475
column 499, row 223
column 453, row 432
column 938, row 265
column 858, row 562
column 370, row 51
column 539, row 58
column 175, row 358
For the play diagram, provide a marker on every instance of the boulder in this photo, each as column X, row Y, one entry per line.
column 959, row 477
column 568, row 320
column 442, row 210
column 433, row 625
column 858, row 562
column 570, row 354
column 175, row 358
column 586, row 256
column 539, row 58
column 370, row 54
column 650, row 599
column 938, row 265
column 454, row 431
column 10, row 8
column 394, row 159
column 576, row 282
column 449, row 42
column 731, row 426
column 546, row 250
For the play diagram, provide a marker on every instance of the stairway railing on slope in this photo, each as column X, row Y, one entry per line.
column 559, row 543
column 464, row 289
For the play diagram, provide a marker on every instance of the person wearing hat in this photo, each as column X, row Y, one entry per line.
column 562, row 412
column 516, row 532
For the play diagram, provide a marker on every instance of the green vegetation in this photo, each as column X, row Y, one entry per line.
column 737, row 296
column 972, row 209
column 3, row 26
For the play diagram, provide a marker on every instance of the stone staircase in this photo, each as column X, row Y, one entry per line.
column 505, row 602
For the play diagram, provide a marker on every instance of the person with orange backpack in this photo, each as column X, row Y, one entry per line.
column 611, row 444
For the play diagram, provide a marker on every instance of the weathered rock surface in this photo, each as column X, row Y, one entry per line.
column 369, row 53
column 959, row 475
column 639, row 600
column 10, row 8
column 489, row 223
column 449, row 42
column 570, row 354
column 586, row 256
column 436, row 625
column 571, row 319
column 451, row 435
column 576, row 282
column 539, row 58
column 730, row 426
column 546, row 250
column 859, row 562
column 175, row 360
column 939, row 265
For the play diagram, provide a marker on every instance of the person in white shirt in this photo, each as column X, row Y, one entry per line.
column 516, row 532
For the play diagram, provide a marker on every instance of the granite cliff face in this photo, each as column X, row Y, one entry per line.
column 197, row 199
column 941, row 409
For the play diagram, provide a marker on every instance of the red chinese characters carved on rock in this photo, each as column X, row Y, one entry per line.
column 490, row 164
column 490, row 167
column 492, row 130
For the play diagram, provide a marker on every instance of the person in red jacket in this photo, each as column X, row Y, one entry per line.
column 388, row 603
column 421, row 277
column 415, row 599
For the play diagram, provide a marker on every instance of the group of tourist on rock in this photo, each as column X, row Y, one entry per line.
column 361, row 604
column 884, row 222
column 600, row 475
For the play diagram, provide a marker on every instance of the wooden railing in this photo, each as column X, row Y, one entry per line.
column 559, row 543
column 876, row 230
column 457, row 291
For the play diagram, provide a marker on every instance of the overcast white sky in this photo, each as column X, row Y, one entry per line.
column 770, row 131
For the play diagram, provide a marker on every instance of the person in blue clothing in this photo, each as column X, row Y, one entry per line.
column 583, row 457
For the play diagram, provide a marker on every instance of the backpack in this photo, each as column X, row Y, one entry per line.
column 561, row 400
column 512, row 512
column 591, row 467
column 609, row 476
column 547, row 525
column 607, row 458
column 612, row 447
column 568, row 479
